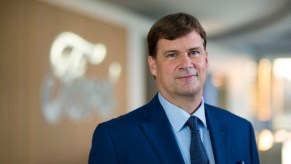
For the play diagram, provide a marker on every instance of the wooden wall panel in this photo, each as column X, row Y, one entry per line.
column 27, row 31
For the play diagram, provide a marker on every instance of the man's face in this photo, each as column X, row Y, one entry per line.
column 180, row 67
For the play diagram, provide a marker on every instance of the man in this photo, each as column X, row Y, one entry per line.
column 161, row 131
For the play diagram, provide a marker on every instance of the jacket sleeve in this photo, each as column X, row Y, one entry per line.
column 102, row 149
column 254, row 151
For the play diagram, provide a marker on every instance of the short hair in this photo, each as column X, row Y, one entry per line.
column 172, row 27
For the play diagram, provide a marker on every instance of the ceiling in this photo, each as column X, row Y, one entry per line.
column 262, row 26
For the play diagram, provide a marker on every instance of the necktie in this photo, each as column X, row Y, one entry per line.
column 197, row 152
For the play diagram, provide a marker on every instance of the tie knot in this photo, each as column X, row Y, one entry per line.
column 192, row 122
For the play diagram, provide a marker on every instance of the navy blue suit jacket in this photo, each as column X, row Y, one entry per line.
column 144, row 136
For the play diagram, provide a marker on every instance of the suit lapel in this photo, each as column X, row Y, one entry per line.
column 218, row 134
column 158, row 130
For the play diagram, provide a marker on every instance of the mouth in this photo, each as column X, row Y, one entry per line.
column 188, row 77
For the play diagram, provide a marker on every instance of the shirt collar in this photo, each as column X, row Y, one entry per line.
column 178, row 116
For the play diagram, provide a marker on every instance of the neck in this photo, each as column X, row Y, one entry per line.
column 188, row 103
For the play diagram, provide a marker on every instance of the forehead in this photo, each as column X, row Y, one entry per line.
column 191, row 40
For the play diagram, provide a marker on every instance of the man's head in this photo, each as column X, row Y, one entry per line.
column 172, row 27
column 177, row 57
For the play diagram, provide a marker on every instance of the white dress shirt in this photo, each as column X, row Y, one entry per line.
column 178, row 118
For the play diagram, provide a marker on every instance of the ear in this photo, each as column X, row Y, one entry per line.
column 152, row 65
column 206, row 59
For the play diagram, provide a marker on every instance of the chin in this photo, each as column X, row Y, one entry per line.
column 188, row 93
column 191, row 92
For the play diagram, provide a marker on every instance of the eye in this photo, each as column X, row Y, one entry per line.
column 194, row 53
column 171, row 55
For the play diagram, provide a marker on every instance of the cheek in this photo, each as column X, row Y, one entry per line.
column 203, row 64
column 164, row 74
column 167, row 70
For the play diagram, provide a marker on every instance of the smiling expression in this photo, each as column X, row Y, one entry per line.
column 180, row 66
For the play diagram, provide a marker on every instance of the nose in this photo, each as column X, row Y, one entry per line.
column 185, row 61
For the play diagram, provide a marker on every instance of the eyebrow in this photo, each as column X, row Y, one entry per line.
column 190, row 49
column 194, row 48
column 170, row 51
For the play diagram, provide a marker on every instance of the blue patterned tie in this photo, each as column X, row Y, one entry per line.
column 197, row 152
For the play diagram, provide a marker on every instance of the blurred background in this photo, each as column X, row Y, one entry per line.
column 67, row 65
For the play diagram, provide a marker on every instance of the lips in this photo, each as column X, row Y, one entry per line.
column 187, row 74
column 188, row 77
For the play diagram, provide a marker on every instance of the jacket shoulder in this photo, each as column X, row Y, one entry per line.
column 136, row 116
column 225, row 115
